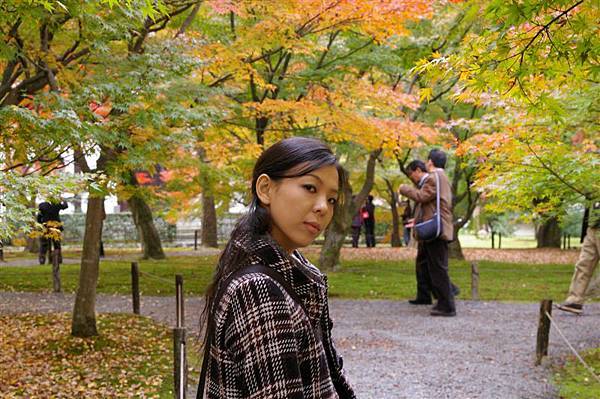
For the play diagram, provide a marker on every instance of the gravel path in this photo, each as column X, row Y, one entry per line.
column 394, row 350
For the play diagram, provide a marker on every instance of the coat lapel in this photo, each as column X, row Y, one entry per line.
column 305, row 279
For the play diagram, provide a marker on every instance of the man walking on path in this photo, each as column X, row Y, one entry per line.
column 588, row 260
column 369, row 222
column 434, row 253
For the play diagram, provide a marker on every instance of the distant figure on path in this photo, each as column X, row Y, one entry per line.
column 369, row 222
column 357, row 222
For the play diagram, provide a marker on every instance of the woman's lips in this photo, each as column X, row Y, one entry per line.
column 313, row 227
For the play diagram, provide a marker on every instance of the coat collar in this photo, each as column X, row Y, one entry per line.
column 308, row 282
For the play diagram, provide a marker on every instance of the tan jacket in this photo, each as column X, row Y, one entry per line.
column 425, row 200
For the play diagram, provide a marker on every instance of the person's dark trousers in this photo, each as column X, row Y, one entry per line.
column 370, row 233
column 436, row 252
column 424, row 287
column 406, row 236
column 355, row 236
column 46, row 247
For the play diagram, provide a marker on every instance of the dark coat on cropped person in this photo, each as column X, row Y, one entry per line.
column 425, row 202
column 50, row 211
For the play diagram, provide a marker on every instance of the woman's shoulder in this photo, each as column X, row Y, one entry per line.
column 252, row 289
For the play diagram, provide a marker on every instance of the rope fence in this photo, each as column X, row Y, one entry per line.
column 155, row 277
column 577, row 355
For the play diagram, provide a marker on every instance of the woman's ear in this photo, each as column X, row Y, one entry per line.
column 263, row 188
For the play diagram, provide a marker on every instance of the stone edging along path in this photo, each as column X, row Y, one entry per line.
column 395, row 350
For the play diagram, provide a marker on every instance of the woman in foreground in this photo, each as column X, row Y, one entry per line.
column 267, row 316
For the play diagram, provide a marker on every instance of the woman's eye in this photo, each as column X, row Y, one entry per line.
column 333, row 201
column 310, row 188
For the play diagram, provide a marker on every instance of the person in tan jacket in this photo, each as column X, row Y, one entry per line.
column 588, row 260
column 433, row 255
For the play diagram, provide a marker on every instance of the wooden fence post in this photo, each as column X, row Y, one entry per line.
column 474, row 281
column 56, row 270
column 195, row 240
column 180, row 363
column 543, row 333
column 179, row 300
column 135, row 287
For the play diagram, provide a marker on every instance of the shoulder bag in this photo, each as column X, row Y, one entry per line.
column 431, row 229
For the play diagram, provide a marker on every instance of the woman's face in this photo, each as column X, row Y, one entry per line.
column 300, row 207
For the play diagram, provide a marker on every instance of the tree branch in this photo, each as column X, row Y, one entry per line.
column 332, row 37
column 349, row 53
column 190, row 18
column 555, row 174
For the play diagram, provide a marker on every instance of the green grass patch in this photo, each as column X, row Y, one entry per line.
column 575, row 381
column 468, row 240
column 361, row 279
column 498, row 281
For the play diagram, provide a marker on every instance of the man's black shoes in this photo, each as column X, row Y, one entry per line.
column 420, row 302
column 443, row 313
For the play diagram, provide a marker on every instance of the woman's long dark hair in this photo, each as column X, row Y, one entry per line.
column 292, row 157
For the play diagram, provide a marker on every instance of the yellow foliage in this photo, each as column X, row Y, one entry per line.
column 50, row 229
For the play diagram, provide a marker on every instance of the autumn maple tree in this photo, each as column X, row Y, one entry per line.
column 303, row 68
column 535, row 73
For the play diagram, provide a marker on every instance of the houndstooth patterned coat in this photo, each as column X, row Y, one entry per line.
column 264, row 345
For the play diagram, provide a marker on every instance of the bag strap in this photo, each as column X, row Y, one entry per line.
column 437, row 203
column 211, row 323
column 437, row 200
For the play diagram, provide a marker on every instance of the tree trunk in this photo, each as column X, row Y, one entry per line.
column 209, row 220
column 548, row 234
column 77, row 199
column 84, row 311
column 32, row 245
column 209, row 214
column 330, row 252
column 342, row 217
column 76, row 203
column 454, row 248
column 396, row 240
column 396, row 237
column 338, row 229
column 142, row 217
